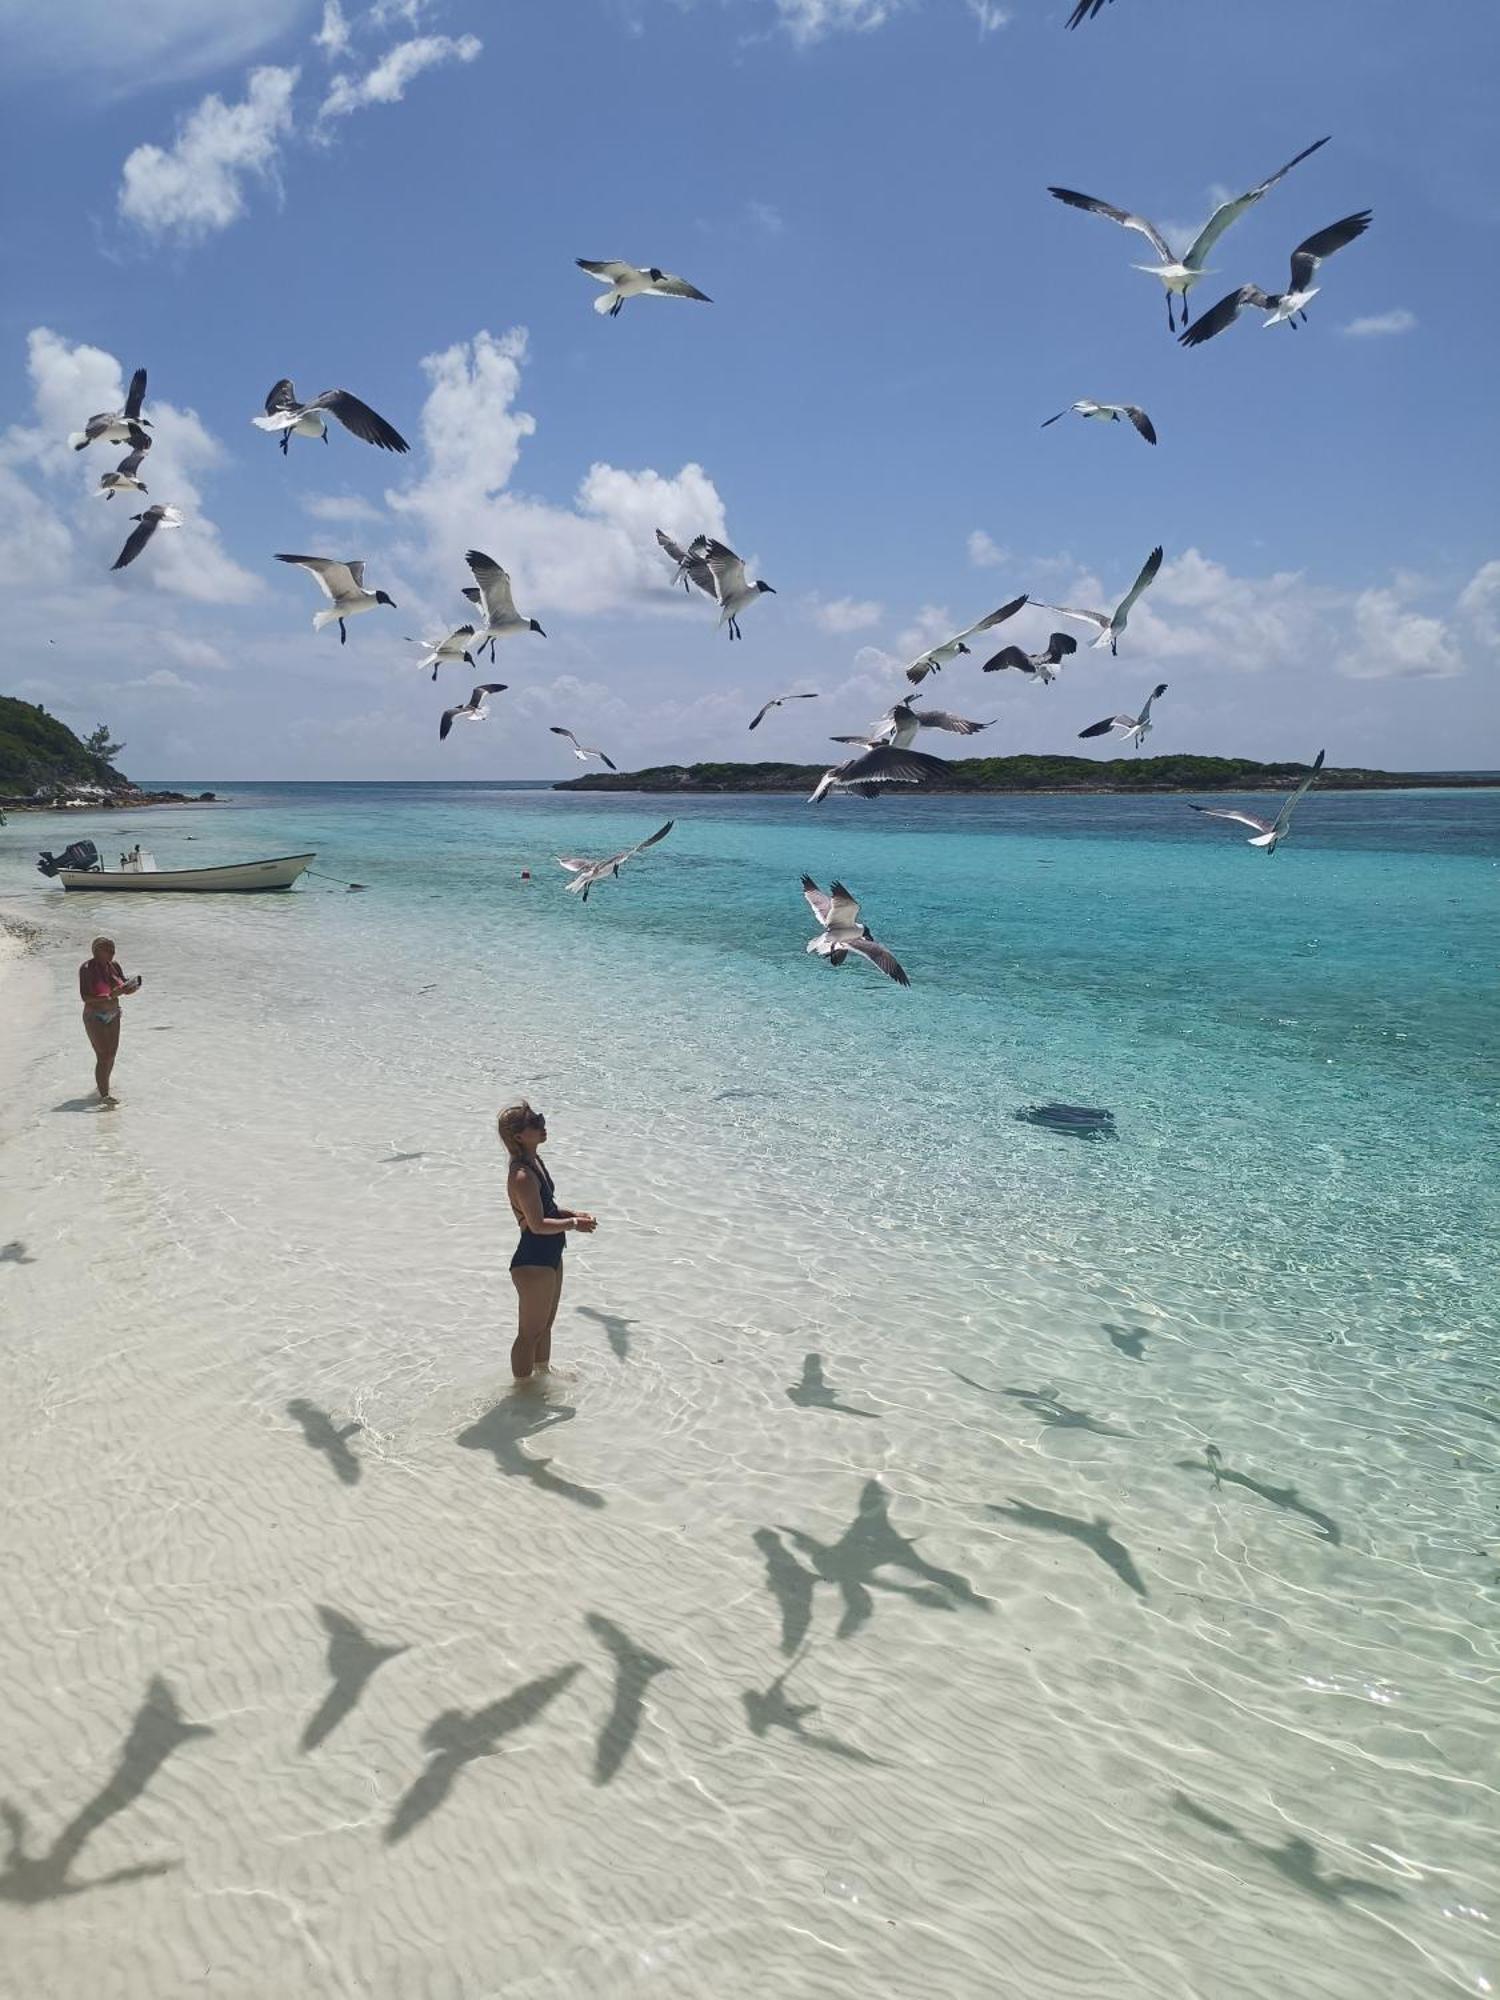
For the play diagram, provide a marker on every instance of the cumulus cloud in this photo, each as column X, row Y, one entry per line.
column 333, row 37
column 339, row 507
column 197, row 185
column 1479, row 605
column 811, row 20
column 387, row 82
column 1389, row 641
column 846, row 614
column 102, row 46
column 985, row 552
column 1401, row 320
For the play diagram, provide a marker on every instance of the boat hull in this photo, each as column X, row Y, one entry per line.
column 239, row 877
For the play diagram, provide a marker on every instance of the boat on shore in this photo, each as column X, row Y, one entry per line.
column 79, row 867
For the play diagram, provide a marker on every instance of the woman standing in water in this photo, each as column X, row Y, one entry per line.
column 100, row 985
column 536, row 1267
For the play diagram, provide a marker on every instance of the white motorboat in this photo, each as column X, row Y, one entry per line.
column 76, row 868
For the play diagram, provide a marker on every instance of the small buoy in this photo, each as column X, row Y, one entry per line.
column 525, row 874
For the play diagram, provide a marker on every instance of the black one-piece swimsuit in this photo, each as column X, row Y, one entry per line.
column 534, row 1249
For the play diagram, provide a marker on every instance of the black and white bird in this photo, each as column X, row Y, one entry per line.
column 150, row 521
column 1108, row 413
column 126, row 477
column 866, row 774
column 284, row 413
column 1042, row 667
column 843, row 932
column 453, row 650
column 1136, row 727
column 1268, row 832
column 583, row 751
column 1110, row 624
column 490, row 590
column 635, row 281
column 733, row 589
column 690, row 569
column 1180, row 274
column 125, row 426
column 777, row 701
column 343, row 584
column 475, row 709
column 1288, row 306
column 898, row 727
column 586, row 873
column 937, row 657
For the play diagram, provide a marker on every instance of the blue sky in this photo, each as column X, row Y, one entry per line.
column 389, row 198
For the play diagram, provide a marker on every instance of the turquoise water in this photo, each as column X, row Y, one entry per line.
column 1271, row 1767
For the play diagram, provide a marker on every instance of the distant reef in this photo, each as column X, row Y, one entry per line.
column 1030, row 774
column 43, row 765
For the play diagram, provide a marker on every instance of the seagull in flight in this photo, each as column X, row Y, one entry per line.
column 882, row 765
column 490, row 590
column 1042, row 667
column 1292, row 304
column 1110, row 624
column 1268, row 832
column 343, row 584
column 582, row 751
column 776, row 701
column 690, row 569
column 898, row 727
column 1108, row 413
column 732, row 588
column 126, row 476
column 1136, row 727
column 937, row 657
column 451, row 651
column 633, row 281
column 125, row 426
column 475, row 709
column 292, row 418
column 1179, row 275
column 842, row 932
column 586, row 873
column 150, row 521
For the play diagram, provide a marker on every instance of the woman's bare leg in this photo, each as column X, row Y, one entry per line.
column 536, row 1301
column 542, row 1356
column 104, row 1039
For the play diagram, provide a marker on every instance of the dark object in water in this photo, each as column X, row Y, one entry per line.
column 82, row 854
column 1081, row 1120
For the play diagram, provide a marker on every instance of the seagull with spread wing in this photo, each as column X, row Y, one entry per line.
column 634, row 281
column 125, row 426
column 286, row 414
column 1180, row 274
column 1042, row 667
column 475, row 709
column 1110, row 624
column 937, row 657
column 586, row 873
column 583, row 751
column 490, row 590
column 126, row 477
column 843, row 932
column 778, row 701
column 733, row 590
column 453, row 650
column 1135, row 727
column 343, row 584
column 898, row 727
column 150, row 521
column 1108, row 413
column 1288, row 306
column 1269, row 833
column 690, row 569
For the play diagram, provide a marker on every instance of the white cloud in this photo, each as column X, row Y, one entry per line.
column 988, row 15
column 35, row 545
column 104, row 46
column 163, row 681
column 196, row 186
column 386, row 83
column 846, row 614
column 339, row 507
column 333, row 37
column 810, row 20
column 764, row 217
column 1390, row 642
column 985, row 552
column 1479, row 605
column 1401, row 320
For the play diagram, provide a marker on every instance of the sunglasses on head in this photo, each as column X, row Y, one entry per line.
column 536, row 1118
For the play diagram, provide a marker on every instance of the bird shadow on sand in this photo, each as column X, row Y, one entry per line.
column 1295, row 1859
column 353, row 1659
column 15, row 1253
column 85, row 1104
column 158, row 1730
column 461, row 1736
column 616, row 1328
column 635, row 1670
column 772, row 1708
column 396, row 1159
column 1286, row 1498
column 814, row 1393
column 1129, row 1340
column 1093, row 1535
column 1049, row 1407
column 322, row 1434
column 501, row 1431
column 790, row 1584
column 852, row 1565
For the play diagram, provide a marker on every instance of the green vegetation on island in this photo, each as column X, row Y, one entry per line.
column 42, row 762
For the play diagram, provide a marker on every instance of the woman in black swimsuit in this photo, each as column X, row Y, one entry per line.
column 536, row 1268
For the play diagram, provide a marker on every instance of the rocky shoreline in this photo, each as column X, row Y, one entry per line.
column 72, row 798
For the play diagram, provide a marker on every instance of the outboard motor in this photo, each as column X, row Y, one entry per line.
column 81, row 855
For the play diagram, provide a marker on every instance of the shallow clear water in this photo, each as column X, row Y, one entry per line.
column 1239, row 1741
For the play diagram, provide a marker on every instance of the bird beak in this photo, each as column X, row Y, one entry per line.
column 770, row 587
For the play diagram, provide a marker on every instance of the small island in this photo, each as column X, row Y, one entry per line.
column 1034, row 774
column 44, row 767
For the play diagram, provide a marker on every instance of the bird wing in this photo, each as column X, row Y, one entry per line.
column 877, row 954
column 726, row 568
column 1155, row 695
column 926, row 663
column 843, row 909
column 494, row 585
column 1121, row 215
column 609, row 272
column 1225, row 812
column 1110, row 722
column 130, row 465
column 487, row 687
column 641, row 845
column 1085, row 11
column 1143, row 582
column 816, row 900
column 1059, row 645
column 939, row 718
column 1141, row 421
column 136, row 394
column 1011, row 656
column 1291, row 805
column 1098, row 619
column 1057, row 419
column 608, row 762
column 1308, row 255
column 359, row 418
column 1225, row 313
column 336, row 579
column 138, row 539
column 1231, row 211
column 282, row 397
column 558, row 730
column 447, row 722
column 691, row 566
column 762, row 713
column 889, row 766
column 994, row 618
column 670, row 286
column 573, row 863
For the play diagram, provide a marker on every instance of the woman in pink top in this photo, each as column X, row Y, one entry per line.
column 100, row 985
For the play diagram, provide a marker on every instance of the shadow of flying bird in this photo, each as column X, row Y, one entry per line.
column 1128, row 1342
column 616, row 1328
column 634, row 1672
column 1295, row 1860
column 352, row 1661
column 770, row 1709
column 790, row 1584
column 500, row 1432
column 868, row 1545
column 321, row 1435
column 1094, row 1535
column 1286, row 1498
column 1048, row 1406
column 459, row 1736
column 813, row 1393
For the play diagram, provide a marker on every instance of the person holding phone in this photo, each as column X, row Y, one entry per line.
column 101, row 985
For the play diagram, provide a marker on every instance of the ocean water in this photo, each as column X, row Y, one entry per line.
column 990, row 1681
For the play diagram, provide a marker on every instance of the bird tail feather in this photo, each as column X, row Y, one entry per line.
column 329, row 617
column 605, row 301
column 1263, row 840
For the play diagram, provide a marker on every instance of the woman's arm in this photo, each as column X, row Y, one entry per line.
column 521, row 1185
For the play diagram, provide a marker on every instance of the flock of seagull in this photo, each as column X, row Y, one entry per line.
column 886, row 753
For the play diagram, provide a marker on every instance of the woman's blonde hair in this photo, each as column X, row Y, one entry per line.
column 513, row 1120
column 102, row 940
